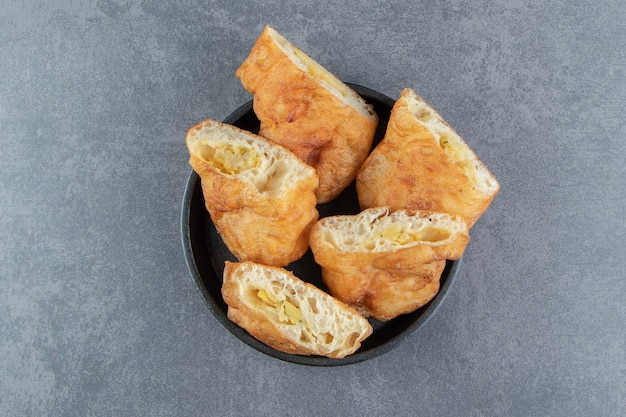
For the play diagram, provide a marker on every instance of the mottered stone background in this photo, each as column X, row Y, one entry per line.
column 98, row 312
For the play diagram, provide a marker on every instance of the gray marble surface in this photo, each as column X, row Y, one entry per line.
column 99, row 315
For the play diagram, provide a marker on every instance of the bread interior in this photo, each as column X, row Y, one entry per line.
column 230, row 158
column 322, row 75
column 280, row 301
column 375, row 230
column 236, row 155
column 287, row 311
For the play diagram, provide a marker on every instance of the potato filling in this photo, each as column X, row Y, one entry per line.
column 231, row 158
column 434, row 234
column 384, row 233
column 402, row 235
column 287, row 311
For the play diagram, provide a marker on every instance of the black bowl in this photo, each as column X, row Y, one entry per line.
column 205, row 253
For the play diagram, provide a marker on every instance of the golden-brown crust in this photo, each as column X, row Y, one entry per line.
column 301, row 114
column 408, row 169
column 384, row 293
column 272, row 229
column 393, row 293
column 384, row 284
column 374, row 287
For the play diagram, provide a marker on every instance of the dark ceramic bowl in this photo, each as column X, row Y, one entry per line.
column 205, row 253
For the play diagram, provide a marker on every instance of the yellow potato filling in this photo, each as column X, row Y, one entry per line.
column 287, row 311
column 402, row 235
column 231, row 158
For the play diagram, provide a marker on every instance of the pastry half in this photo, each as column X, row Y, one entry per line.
column 290, row 315
column 305, row 108
column 260, row 196
column 386, row 263
column 422, row 163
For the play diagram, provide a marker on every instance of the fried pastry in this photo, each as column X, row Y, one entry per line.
column 305, row 108
column 260, row 196
column 290, row 315
column 386, row 263
column 422, row 163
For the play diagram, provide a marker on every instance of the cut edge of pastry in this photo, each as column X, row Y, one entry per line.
column 237, row 153
column 322, row 75
column 312, row 321
column 379, row 230
column 451, row 143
